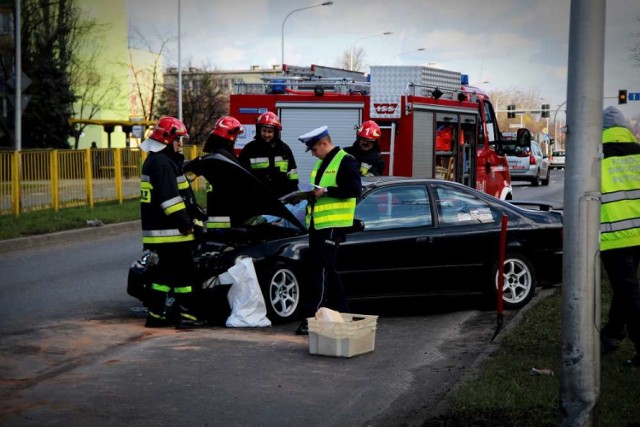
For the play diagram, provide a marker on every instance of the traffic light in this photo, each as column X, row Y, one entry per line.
column 545, row 110
column 511, row 114
column 622, row 96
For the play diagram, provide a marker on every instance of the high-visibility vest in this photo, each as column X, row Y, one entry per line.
column 620, row 198
column 329, row 212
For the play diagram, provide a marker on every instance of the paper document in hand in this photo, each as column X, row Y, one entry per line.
column 302, row 193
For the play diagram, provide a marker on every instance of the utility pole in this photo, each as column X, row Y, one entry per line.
column 18, row 80
column 580, row 367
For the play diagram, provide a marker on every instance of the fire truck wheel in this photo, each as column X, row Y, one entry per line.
column 519, row 281
column 281, row 289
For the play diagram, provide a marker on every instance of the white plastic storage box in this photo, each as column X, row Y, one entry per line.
column 357, row 335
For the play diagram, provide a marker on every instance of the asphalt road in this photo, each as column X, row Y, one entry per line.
column 74, row 352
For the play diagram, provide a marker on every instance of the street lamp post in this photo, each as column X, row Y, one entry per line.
column 408, row 51
column 179, row 67
column 386, row 33
column 327, row 3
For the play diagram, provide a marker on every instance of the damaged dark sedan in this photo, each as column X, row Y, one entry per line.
column 420, row 237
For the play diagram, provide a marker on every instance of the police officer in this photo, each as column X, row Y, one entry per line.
column 620, row 231
column 269, row 158
column 330, row 213
column 166, row 207
column 366, row 150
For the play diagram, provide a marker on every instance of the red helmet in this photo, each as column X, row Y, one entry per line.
column 369, row 130
column 167, row 130
column 269, row 119
column 228, row 127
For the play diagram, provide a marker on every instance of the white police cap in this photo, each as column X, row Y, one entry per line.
column 310, row 138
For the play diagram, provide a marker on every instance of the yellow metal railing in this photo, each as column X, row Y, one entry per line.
column 55, row 179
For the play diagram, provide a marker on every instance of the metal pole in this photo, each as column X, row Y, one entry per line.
column 179, row 67
column 386, row 33
column 580, row 367
column 555, row 126
column 327, row 3
column 18, row 80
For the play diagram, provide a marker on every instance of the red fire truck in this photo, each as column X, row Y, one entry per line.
column 434, row 125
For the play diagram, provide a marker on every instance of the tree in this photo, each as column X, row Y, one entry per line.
column 51, row 34
column 204, row 100
column 148, row 73
column 359, row 56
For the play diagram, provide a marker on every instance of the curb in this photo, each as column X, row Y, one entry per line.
column 69, row 236
column 445, row 405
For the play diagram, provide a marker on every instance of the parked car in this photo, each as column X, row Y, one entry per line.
column 527, row 163
column 557, row 160
column 421, row 237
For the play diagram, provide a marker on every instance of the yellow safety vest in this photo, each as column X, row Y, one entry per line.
column 329, row 212
column 620, row 199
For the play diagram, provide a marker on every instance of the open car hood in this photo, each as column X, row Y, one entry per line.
column 243, row 192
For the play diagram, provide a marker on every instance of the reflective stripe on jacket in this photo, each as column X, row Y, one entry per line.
column 164, row 194
column 620, row 199
column 328, row 211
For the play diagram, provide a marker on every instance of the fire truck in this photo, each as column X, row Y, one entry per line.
column 434, row 124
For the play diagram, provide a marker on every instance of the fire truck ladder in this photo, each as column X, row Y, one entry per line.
column 303, row 86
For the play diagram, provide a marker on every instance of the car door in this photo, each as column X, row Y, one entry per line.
column 394, row 250
column 466, row 245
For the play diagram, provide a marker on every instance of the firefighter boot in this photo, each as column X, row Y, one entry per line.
column 157, row 315
column 187, row 319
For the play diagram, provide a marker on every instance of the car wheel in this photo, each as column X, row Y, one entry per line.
column 281, row 289
column 546, row 180
column 519, row 281
column 536, row 180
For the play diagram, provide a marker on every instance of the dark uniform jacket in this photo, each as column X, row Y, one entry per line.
column 272, row 163
column 218, row 214
column 167, row 204
column 371, row 162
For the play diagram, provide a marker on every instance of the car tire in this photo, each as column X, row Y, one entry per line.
column 547, row 179
column 519, row 282
column 536, row 180
column 281, row 289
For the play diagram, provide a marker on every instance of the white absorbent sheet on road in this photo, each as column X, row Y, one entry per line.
column 248, row 309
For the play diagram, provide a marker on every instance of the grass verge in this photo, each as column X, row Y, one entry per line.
column 505, row 393
column 50, row 221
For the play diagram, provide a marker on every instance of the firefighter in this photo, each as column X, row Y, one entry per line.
column 269, row 158
column 220, row 141
column 330, row 213
column 620, row 232
column 166, row 207
column 366, row 151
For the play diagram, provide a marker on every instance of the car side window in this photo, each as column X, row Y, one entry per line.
column 460, row 208
column 397, row 207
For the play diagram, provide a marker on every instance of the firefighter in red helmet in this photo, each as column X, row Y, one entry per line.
column 168, row 211
column 366, row 150
column 221, row 141
column 269, row 158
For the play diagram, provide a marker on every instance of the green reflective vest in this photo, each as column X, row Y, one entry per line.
column 329, row 212
column 620, row 198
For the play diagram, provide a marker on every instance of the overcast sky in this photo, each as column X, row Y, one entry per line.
column 511, row 44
